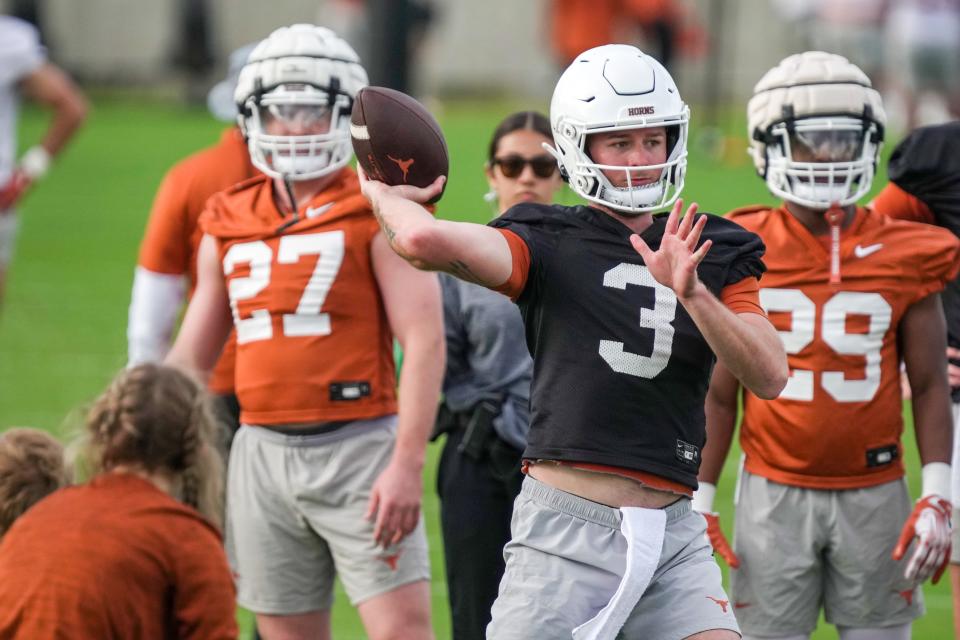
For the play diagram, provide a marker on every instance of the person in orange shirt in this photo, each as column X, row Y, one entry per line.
column 136, row 552
column 823, row 516
column 166, row 271
column 325, row 474
column 578, row 25
column 924, row 171
column 31, row 468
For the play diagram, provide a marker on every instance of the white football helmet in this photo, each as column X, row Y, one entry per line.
column 612, row 88
column 816, row 127
column 305, row 78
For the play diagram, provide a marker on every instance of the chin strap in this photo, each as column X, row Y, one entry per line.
column 834, row 216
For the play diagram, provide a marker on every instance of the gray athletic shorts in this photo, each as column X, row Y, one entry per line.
column 295, row 518
column 566, row 561
column 8, row 235
column 803, row 549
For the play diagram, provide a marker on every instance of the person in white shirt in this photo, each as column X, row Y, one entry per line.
column 24, row 70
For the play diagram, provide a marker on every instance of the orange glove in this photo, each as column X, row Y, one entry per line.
column 719, row 541
column 14, row 188
column 928, row 528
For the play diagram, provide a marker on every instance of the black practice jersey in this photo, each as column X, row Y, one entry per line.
column 926, row 164
column 620, row 369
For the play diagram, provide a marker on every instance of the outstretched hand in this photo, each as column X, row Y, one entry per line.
column 674, row 264
column 373, row 190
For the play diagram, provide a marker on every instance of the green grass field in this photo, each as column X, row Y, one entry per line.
column 62, row 331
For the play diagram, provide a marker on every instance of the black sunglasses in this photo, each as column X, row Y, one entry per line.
column 512, row 165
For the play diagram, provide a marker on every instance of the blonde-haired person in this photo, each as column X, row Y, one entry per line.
column 31, row 468
column 135, row 552
column 486, row 389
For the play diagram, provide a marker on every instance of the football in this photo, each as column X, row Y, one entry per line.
column 396, row 140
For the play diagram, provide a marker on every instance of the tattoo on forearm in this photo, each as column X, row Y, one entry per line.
column 459, row 269
column 387, row 230
column 390, row 233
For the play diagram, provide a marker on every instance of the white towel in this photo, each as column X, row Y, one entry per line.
column 643, row 529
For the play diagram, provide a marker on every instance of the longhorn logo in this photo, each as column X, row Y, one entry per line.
column 391, row 560
column 722, row 603
column 403, row 164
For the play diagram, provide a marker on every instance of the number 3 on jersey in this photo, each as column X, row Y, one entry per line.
column 833, row 331
column 660, row 319
column 307, row 320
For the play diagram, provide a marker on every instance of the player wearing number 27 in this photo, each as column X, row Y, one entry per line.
column 625, row 313
column 823, row 517
column 325, row 471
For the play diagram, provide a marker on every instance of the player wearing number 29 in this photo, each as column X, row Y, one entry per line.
column 823, row 515
column 325, row 475
column 625, row 314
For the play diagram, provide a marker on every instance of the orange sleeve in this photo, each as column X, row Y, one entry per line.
column 939, row 261
column 894, row 202
column 165, row 247
column 520, row 254
column 743, row 296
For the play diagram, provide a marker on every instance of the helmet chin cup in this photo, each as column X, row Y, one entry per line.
column 823, row 195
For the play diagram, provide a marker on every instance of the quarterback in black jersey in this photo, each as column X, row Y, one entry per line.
column 625, row 314
column 608, row 390
column 924, row 172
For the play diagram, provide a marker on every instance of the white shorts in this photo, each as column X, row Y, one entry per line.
column 567, row 560
column 802, row 550
column 295, row 518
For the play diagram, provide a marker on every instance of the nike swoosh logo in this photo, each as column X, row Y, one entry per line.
column 863, row 252
column 313, row 213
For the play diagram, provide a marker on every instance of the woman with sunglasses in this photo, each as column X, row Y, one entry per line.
column 487, row 392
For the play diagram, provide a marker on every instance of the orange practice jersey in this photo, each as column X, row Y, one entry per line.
column 837, row 424
column 172, row 238
column 313, row 341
